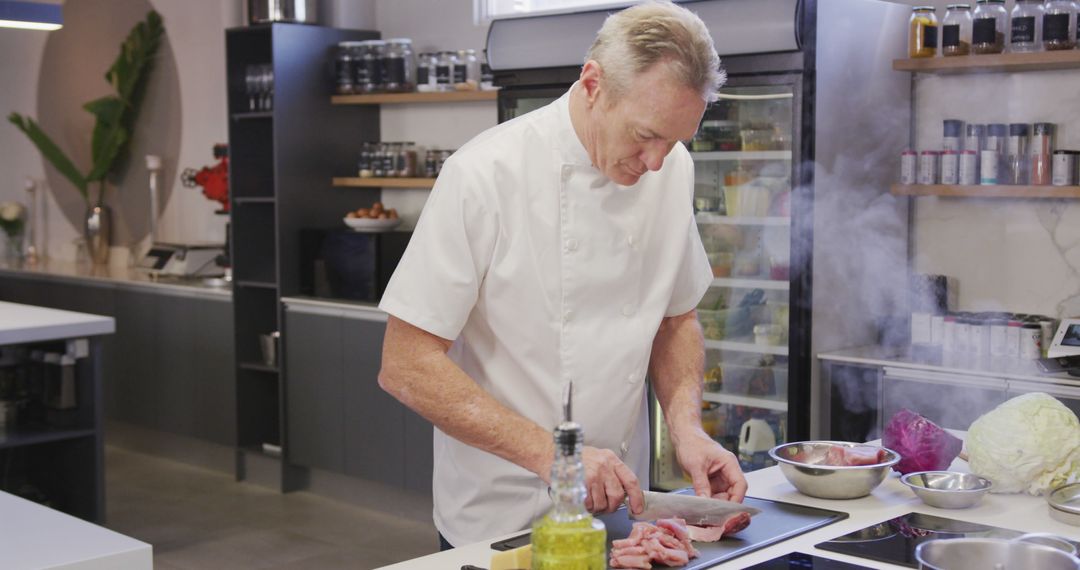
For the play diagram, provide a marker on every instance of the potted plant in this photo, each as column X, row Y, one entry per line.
column 114, row 121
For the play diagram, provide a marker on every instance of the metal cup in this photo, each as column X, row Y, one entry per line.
column 268, row 346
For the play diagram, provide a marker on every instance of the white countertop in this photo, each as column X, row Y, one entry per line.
column 33, row 536
column 891, row 499
column 108, row 274
column 937, row 360
column 27, row 323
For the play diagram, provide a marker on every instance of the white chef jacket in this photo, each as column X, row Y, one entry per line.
column 542, row 270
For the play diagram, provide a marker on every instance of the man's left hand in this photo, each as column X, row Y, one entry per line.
column 714, row 470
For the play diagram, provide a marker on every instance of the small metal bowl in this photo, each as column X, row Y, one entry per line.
column 812, row 478
column 1064, row 504
column 948, row 489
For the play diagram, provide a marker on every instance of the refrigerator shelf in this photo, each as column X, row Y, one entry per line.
column 746, row 347
column 709, row 218
column 735, row 283
column 749, row 401
column 742, row 155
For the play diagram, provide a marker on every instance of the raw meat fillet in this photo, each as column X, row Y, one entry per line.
column 732, row 525
column 839, row 456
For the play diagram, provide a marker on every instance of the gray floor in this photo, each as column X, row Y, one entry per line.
column 199, row 519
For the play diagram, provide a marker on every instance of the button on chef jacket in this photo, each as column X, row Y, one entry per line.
column 542, row 270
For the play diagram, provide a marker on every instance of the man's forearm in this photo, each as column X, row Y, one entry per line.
column 417, row 371
column 676, row 367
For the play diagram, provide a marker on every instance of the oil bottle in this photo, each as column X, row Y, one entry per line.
column 568, row 537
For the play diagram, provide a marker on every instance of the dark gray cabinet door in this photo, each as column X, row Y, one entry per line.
column 215, row 375
column 177, row 384
column 130, row 376
column 314, row 391
column 375, row 437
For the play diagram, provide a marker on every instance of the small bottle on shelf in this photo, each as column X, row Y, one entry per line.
column 1042, row 148
column 923, row 32
column 989, row 24
column 1026, row 27
column 956, row 30
column 1059, row 25
column 1017, row 154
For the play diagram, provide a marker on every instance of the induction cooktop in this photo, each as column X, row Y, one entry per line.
column 802, row 561
column 894, row 540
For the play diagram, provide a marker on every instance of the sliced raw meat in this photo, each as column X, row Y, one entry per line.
column 732, row 525
column 667, row 542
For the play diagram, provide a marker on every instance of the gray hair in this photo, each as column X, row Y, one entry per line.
column 634, row 39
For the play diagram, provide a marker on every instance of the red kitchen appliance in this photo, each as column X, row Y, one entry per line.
column 213, row 179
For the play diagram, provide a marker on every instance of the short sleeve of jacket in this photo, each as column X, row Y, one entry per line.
column 695, row 274
column 437, row 282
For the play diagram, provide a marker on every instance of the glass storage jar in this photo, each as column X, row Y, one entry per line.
column 444, row 70
column 472, row 67
column 956, row 30
column 1026, row 26
column 398, row 66
column 343, row 68
column 425, row 72
column 369, row 71
column 922, row 32
column 989, row 22
column 1059, row 25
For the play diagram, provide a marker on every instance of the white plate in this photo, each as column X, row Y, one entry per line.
column 371, row 225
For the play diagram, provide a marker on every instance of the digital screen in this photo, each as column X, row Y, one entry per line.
column 1072, row 336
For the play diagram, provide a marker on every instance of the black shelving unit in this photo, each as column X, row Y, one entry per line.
column 282, row 161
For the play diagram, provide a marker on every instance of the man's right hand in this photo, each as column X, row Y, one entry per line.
column 609, row 481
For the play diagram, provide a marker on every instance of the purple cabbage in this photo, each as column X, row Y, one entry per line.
column 922, row 445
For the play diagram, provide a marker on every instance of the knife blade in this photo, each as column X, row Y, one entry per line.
column 695, row 510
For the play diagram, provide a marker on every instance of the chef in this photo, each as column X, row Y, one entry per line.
column 557, row 247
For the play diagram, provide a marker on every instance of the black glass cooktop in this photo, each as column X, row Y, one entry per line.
column 894, row 540
column 800, row 561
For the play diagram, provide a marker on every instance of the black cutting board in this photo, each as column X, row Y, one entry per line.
column 776, row 522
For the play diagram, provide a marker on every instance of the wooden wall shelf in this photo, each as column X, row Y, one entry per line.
column 1000, row 63
column 433, row 97
column 385, row 182
column 988, row 191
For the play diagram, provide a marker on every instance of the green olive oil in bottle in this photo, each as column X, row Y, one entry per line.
column 568, row 537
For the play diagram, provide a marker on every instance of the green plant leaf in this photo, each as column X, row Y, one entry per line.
column 108, row 111
column 50, row 151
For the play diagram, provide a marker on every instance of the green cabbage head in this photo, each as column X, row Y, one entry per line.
column 1029, row 444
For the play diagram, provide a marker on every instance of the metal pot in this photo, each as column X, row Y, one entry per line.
column 1023, row 553
column 294, row 11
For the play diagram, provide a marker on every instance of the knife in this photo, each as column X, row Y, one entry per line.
column 695, row 510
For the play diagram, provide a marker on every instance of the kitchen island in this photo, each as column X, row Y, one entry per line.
column 891, row 499
column 35, row 536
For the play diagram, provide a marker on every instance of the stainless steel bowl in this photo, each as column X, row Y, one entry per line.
column 984, row 553
column 801, row 462
column 1064, row 504
column 947, row 489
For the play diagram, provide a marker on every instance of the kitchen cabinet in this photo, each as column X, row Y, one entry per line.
column 338, row 417
column 168, row 367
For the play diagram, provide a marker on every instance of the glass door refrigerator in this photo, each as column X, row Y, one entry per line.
column 805, row 135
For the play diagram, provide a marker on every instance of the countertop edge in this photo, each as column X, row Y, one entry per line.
column 98, row 280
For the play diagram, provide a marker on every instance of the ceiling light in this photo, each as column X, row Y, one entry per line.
column 31, row 15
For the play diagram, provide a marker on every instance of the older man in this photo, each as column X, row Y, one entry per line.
column 561, row 246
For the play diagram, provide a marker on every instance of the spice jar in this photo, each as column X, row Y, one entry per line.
column 1026, row 26
column 950, row 167
column 956, row 30
column 425, row 72
column 988, row 25
column 996, row 138
column 1042, row 145
column 444, row 70
column 343, row 68
column 975, row 137
column 954, row 128
column 1059, row 25
column 397, row 67
column 472, row 67
column 1030, row 341
column 1017, row 154
column 908, row 168
column 922, row 32
column 969, row 168
column 928, row 167
column 1065, row 167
